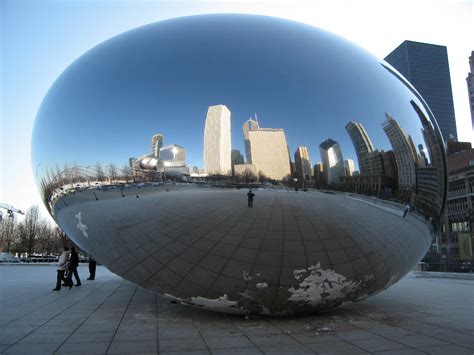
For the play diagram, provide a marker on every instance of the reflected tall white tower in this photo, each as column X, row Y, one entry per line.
column 217, row 141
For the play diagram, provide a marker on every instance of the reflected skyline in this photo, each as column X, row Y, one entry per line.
column 174, row 218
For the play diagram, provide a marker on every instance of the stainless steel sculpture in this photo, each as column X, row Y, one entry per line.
column 343, row 157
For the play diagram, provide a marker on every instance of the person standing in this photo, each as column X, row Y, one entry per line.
column 406, row 210
column 250, row 196
column 92, row 266
column 74, row 263
column 61, row 269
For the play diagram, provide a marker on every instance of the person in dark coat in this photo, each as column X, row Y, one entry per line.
column 74, row 263
column 92, row 266
column 250, row 196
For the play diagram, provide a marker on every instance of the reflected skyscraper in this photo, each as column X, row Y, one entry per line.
column 470, row 86
column 249, row 125
column 349, row 167
column 333, row 163
column 302, row 163
column 156, row 144
column 236, row 158
column 430, row 180
column 362, row 144
column 404, row 155
column 217, row 141
column 426, row 67
column 173, row 153
column 269, row 152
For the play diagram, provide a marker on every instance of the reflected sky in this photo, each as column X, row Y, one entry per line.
column 162, row 78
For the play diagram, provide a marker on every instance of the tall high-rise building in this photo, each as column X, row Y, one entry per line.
column 470, row 86
column 318, row 174
column 404, row 156
column 333, row 163
column 426, row 67
column 302, row 163
column 349, row 167
column 236, row 158
column 156, row 144
column 217, row 141
column 249, row 125
column 362, row 144
column 269, row 152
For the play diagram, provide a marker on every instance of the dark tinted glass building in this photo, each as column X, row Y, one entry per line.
column 426, row 67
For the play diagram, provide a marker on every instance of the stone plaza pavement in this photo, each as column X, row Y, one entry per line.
column 112, row 316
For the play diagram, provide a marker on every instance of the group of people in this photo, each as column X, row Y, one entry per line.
column 67, row 267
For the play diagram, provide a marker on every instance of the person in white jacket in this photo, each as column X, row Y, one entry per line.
column 62, row 264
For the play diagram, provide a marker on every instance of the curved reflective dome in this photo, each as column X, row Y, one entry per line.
column 146, row 149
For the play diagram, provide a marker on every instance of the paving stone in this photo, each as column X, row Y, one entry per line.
column 419, row 340
column 139, row 346
column 36, row 349
column 80, row 337
column 182, row 344
column 83, row 348
column 379, row 344
column 43, row 338
column 228, row 342
column 238, row 351
column 284, row 349
column 447, row 349
column 277, row 339
column 336, row 348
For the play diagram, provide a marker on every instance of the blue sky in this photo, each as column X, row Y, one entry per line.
column 40, row 39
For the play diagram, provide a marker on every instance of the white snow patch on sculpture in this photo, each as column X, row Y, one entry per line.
column 81, row 226
column 320, row 285
column 392, row 280
column 246, row 276
column 217, row 303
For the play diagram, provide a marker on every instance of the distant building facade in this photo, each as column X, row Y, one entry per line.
column 245, row 170
column 362, row 144
column 303, row 164
column 236, row 158
column 470, row 87
column 333, row 163
column 156, row 144
column 249, row 125
column 217, row 141
column 349, row 167
column 318, row 176
column 426, row 67
column 404, row 155
column 173, row 153
column 457, row 239
column 269, row 152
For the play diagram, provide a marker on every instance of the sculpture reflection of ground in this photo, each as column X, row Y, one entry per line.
column 292, row 252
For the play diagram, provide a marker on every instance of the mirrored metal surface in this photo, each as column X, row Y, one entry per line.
column 242, row 163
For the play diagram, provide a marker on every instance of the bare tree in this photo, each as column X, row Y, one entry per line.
column 126, row 172
column 249, row 176
column 28, row 229
column 99, row 172
column 7, row 234
column 112, row 170
column 60, row 237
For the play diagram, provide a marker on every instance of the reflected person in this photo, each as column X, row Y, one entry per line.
column 92, row 267
column 62, row 264
column 250, row 196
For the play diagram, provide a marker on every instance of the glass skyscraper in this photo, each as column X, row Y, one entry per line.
column 426, row 67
